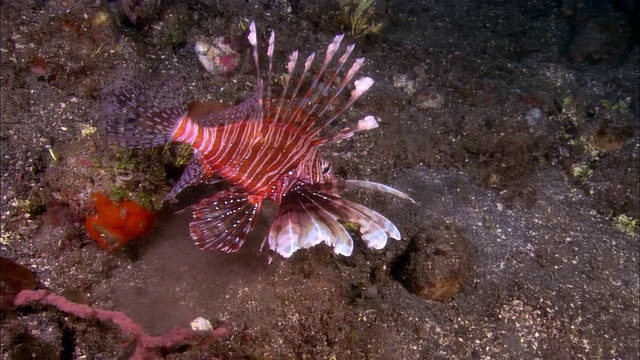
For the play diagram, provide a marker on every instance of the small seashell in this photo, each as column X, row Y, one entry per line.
column 201, row 324
column 217, row 56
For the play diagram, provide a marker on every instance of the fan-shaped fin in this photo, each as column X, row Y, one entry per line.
column 307, row 218
column 301, row 223
column 223, row 221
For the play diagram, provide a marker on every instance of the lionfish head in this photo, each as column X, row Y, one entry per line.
column 315, row 170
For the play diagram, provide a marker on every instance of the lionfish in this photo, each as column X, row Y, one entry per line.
column 267, row 148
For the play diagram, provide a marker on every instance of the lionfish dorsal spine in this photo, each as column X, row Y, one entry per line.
column 253, row 40
column 294, row 108
column 361, row 86
column 325, row 92
column 292, row 117
column 293, row 58
column 331, row 51
column 272, row 42
column 343, row 60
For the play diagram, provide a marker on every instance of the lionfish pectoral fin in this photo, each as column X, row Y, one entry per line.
column 307, row 217
column 374, row 227
column 302, row 223
column 370, row 185
column 223, row 221
column 193, row 174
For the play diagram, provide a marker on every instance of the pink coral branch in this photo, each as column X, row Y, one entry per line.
column 145, row 342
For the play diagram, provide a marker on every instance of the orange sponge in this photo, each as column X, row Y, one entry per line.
column 114, row 224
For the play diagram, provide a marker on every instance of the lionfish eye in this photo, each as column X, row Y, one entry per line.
column 326, row 169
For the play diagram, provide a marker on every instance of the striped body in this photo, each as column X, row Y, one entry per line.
column 267, row 148
column 256, row 156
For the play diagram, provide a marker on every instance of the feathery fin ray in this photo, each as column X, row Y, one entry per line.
column 223, row 221
column 307, row 217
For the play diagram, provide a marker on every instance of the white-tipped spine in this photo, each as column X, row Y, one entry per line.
column 333, row 47
column 309, row 61
column 347, row 53
column 331, row 51
column 293, row 59
column 272, row 42
column 360, row 89
column 253, row 35
column 368, row 123
column 291, row 65
column 303, row 100
column 352, row 71
column 362, row 85
column 253, row 40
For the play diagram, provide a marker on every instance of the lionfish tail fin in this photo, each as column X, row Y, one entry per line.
column 134, row 127
column 307, row 218
column 223, row 221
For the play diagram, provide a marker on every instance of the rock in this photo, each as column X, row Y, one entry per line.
column 420, row 72
column 430, row 99
column 437, row 264
column 599, row 37
column 403, row 82
column 533, row 116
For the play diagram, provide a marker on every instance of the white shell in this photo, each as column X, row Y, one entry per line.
column 201, row 324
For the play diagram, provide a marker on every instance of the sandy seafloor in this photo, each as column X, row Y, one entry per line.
column 524, row 169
